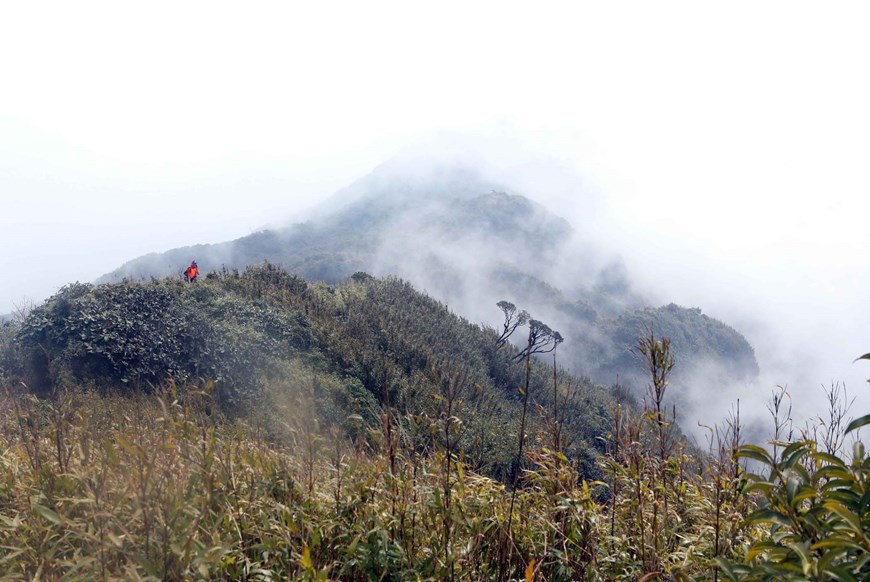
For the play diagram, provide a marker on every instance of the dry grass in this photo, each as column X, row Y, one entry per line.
column 163, row 486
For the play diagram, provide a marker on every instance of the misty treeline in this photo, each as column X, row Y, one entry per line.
column 256, row 426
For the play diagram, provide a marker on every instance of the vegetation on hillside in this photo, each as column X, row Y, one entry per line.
column 162, row 480
column 255, row 426
column 471, row 243
column 368, row 344
column 707, row 347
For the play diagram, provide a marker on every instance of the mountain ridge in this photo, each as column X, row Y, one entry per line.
column 356, row 348
column 472, row 242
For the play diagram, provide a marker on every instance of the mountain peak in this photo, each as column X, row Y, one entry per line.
column 412, row 180
column 471, row 242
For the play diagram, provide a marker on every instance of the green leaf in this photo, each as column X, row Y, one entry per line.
column 49, row 514
column 844, row 512
column 763, row 486
column 755, row 453
column 847, row 497
column 858, row 422
column 760, row 547
column 836, row 544
column 727, row 569
column 800, row 548
column 829, row 459
column 767, row 516
column 833, row 473
column 794, row 452
column 305, row 562
column 802, row 494
column 840, row 574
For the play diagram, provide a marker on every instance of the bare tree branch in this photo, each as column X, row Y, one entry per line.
column 542, row 340
column 512, row 320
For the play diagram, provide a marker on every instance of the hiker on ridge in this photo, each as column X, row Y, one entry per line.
column 191, row 272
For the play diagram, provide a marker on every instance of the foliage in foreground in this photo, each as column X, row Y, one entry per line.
column 815, row 507
column 162, row 486
column 363, row 454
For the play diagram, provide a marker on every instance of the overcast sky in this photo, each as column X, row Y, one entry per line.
column 725, row 145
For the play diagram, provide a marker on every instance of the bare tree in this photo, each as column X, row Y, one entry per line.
column 512, row 320
column 542, row 340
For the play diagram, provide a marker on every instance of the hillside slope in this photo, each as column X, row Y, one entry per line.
column 357, row 349
column 471, row 243
column 390, row 407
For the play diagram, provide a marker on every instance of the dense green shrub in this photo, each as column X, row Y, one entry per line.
column 140, row 334
column 815, row 507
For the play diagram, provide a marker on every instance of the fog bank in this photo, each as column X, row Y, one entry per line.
column 783, row 269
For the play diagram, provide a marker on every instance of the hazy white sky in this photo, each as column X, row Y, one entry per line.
column 726, row 144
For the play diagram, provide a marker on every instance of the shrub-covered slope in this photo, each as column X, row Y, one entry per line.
column 359, row 347
column 165, row 487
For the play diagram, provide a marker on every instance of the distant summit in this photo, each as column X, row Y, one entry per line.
column 471, row 242
column 392, row 218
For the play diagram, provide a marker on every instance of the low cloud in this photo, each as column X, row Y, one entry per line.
column 801, row 312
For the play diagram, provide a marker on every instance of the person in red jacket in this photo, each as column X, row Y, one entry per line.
column 191, row 272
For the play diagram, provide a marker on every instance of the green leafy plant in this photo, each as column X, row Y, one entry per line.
column 814, row 506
